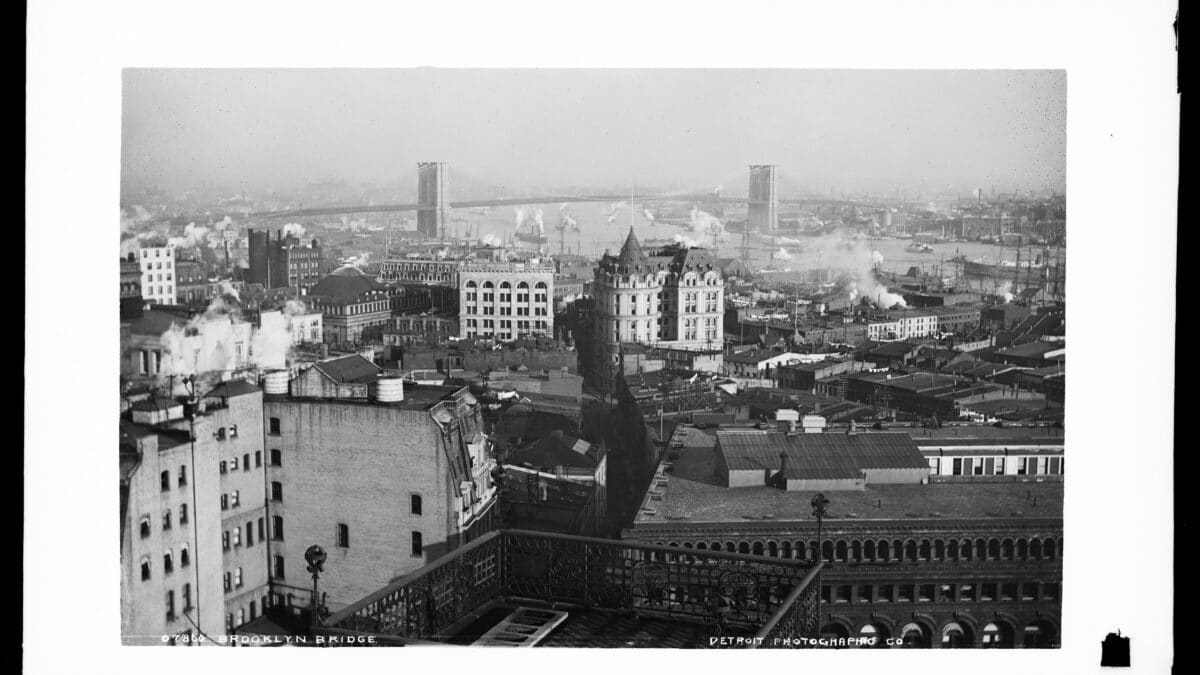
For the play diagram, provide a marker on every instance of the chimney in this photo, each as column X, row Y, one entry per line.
column 853, row 430
column 783, row 469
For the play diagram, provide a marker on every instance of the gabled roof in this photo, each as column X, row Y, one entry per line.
column 557, row 449
column 346, row 284
column 819, row 456
column 353, row 368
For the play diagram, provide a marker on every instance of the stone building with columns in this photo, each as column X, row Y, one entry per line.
column 974, row 563
column 671, row 297
column 506, row 300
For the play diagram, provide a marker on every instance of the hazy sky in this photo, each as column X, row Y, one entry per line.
column 850, row 129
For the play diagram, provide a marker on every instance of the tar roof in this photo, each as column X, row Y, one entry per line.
column 353, row 368
column 693, row 494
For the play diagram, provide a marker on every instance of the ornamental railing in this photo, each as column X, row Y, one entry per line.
column 735, row 594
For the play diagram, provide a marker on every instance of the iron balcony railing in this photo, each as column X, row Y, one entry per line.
column 735, row 593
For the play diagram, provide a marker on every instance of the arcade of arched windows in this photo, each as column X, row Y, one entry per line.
column 882, row 549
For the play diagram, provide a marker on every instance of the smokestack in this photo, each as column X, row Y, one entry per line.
column 853, row 430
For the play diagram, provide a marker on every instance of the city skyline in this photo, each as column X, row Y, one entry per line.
column 843, row 130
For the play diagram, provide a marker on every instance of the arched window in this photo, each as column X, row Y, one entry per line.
column 184, row 557
column 702, row 546
column 827, row 550
column 772, row 549
column 167, row 566
column 145, row 527
column 939, row 550
column 183, row 514
column 869, row 550
column 471, row 284
column 1048, row 548
column 1007, row 549
column 840, row 550
column 164, row 479
column 743, row 547
column 910, row 550
column 731, row 547
column 505, row 285
column 1022, row 549
column 785, row 549
column 757, row 548
column 993, row 550
column 856, row 551
column 1035, row 549
column 166, row 519
column 925, row 551
column 884, row 550
column 522, row 285
column 980, row 549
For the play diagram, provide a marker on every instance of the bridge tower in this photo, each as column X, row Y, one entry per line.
column 433, row 210
column 762, row 204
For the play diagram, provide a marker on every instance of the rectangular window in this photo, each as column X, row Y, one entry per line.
column 1008, row 591
column 246, row 462
column 1050, row 591
column 223, row 467
column 946, row 593
column 864, row 593
column 228, row 582
column 257, row 458
column 187, row 597
column 277, row 527
column 415, row 505
column 979, row 465
column 1029, row 591
column 170, row 605
column 826, row 594
column 967, row 462
column 987, row 592
column 1055, row 466
column 274, row 426
column 224, row 502
column 276, row 458
column 249, row 533
column 958, row 466
column 843, row 593
column 278, row 567
column 925, row 593
column 967, row 593
column 906, row 593
column 260, row 529
column 343, row 535
column 999, row 466
column 225, row 540
column 417, row 548
column 885, row 593
column 276, row 491
column 1021, row 464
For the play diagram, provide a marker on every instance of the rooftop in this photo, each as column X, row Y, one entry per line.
column 692, row 494
column 818, row 456
column 354, row 368
column 557, row 449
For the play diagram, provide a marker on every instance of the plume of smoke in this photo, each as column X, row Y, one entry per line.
column 209, row 343
column 520, row 215
column 854, row 256
column 685, row 242
column 194, row 236
column 649, row 216
column 362, row 260
column 271, row 344
column 612, row 218
column 708, row 230
column 1005, row 291
column 490, row 240
column 293, row 230
column 225, row 222
column 782, row 254
column 537, row 218
column 228, row 289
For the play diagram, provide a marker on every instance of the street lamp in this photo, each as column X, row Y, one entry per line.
column 819, row 511
column 315, row 555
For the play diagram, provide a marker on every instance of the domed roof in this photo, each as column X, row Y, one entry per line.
column 346, row 284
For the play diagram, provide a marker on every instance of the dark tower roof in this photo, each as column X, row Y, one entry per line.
column 631, row 252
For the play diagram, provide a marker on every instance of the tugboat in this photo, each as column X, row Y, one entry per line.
column 530, row 228
column 916, row 247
